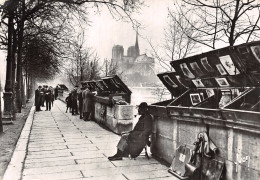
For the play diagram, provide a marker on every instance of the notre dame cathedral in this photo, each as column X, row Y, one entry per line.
column 135, row 69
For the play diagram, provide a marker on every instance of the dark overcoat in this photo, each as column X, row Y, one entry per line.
column 138, row 138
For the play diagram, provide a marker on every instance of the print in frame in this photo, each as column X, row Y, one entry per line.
column 228, row 64
column 195, row 98
column 186, row 70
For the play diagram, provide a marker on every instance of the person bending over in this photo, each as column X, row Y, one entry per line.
column 133, row 142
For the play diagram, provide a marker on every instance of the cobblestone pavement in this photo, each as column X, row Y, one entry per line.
column 61, row 146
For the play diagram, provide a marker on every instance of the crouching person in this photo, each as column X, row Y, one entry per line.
column 133, row 142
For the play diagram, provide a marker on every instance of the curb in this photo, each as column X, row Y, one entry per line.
column 15, row 166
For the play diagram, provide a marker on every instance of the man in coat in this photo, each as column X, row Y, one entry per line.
column 38, row 98
column 88, row 103
column 74, row 100
column 48, row 98
column 80, row 98
column 134, row 141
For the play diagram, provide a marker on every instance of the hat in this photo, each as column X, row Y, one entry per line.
column 143, row 105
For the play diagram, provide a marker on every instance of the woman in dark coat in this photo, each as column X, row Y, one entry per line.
column 69, row 102
column 133, row 142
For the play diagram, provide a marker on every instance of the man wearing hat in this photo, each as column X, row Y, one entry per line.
column 38, row 98
column 80, row 98
column 74, row 98
column 133, row 142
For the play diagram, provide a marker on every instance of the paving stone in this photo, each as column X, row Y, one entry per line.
column 47, row 155
column 148, row 175
column 89, row 161
column 56, row 176
column 49, row 163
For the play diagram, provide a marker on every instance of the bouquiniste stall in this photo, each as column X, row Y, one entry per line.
column 112, row 103
column 218, row 93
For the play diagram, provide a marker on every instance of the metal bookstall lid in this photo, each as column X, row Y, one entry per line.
column 108, row 84
column 116, row 84
column 229, row 67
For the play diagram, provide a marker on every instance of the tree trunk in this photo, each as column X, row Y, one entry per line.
column 19, row 57
column 8, row 82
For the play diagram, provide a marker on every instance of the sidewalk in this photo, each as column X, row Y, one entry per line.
column 57, row 145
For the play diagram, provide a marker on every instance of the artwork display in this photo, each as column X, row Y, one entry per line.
column 228, row 64
column 225, row 98
column 206, row 65
column 179, row 79
column 186, row 70
column 195, row 98
column 210, row 92
column 195, row 67
column 256, row 52
column 198, row 83
column 221, row 69
column 169, row 81
column 222, row 82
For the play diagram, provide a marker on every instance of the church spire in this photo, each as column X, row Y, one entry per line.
column 136, row 44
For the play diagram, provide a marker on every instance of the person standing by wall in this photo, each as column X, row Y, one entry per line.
column 56, row 91
column 74, row 97
column 68, row 101
column 80, row 98
column 88, row 103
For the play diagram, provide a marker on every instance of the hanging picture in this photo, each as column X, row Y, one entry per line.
column 256, row 52
column 210, row 92
column 221, row 69
column 179, row 79
column 226, row 97
column 228, row 64
column 195, row 98
column 114, row 82
column 222, row 82
column 198, row 83
column 186, row 70
column 206, row 65
column 195, row 67
column 202, row 96
column 169, row 81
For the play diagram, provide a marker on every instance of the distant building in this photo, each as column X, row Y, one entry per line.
column 135, row 69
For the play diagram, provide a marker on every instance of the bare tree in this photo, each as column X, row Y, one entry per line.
column 218, row 22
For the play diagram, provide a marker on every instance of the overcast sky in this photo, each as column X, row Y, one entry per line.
column 105, row 32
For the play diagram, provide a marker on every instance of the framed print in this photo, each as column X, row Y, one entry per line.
column 186, row 70
column 206, row 65
column 202, row 96
column 256, row 52
column 169, row 81
column 210, row 92
column 179, row 79
column 225, row 98
column 195, row 98
column 195, row 67
column 222, row 82
column 114, row 82
column 228, row 64
column 198, row 83
column 221, row 69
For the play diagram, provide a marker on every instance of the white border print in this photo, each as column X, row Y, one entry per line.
column 186, row 70
column 222, row 82
column 179, row 79
column 198, row 83
column 195, row 67
column 169, row 81
column 195, row 98
column 221, row 69
column 228, row 64
column 256, row 52
column 206, row 64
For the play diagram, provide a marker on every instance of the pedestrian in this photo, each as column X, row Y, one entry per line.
column 43, row 91
column 80, row 98
column 52, row 95
column 56, row 92
column 38, row 98
column 132, row 143
column 48, row 98
column 88, row 103
column 74, row 97
column 68, row 102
